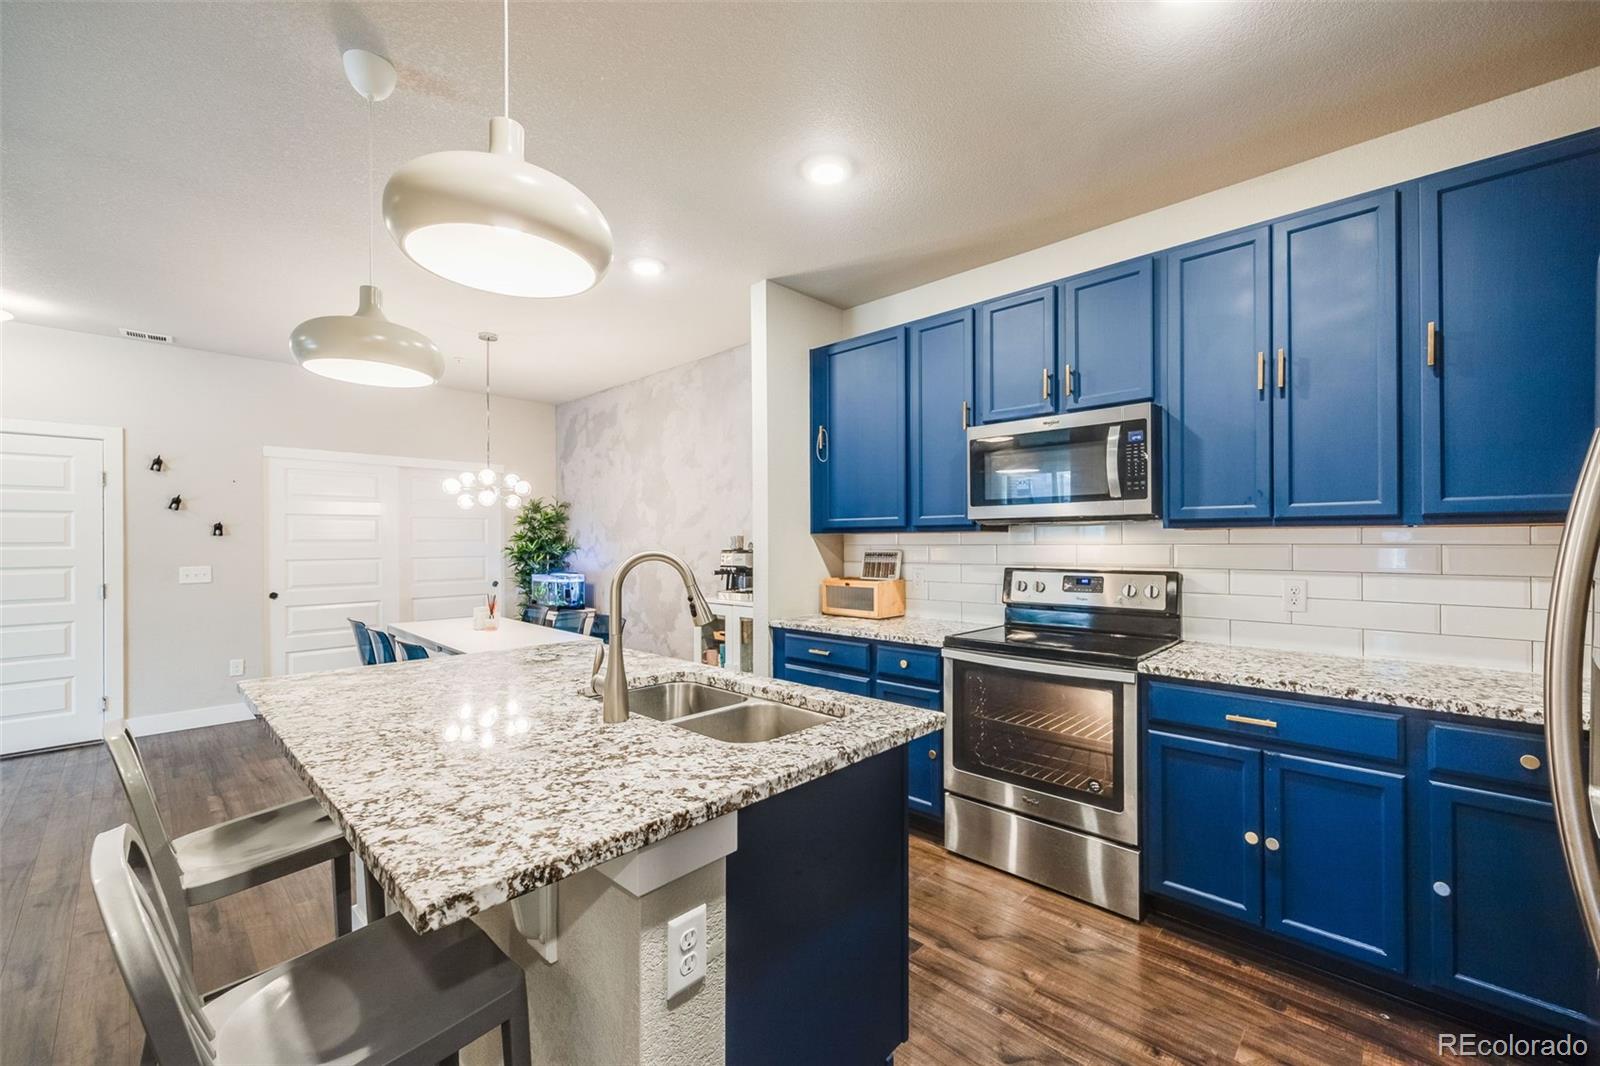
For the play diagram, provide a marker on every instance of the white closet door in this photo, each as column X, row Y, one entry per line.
column 448, row 556
column 331, row 556
column 52, row 614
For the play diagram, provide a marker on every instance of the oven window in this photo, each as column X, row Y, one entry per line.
column 1061, row 736
column 1056, row 466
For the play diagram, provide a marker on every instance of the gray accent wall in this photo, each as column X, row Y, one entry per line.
column 658, row 463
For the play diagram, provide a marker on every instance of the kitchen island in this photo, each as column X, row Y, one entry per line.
column 467, row 783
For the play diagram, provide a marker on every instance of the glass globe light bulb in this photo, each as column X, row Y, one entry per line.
column 510, row 481
column 486, row 476
column 464, row 501
column 487, row 497
column 467, row 478
column 451, row 486
column 524, row 489
column 512, row 503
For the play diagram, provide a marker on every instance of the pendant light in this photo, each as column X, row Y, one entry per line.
column 366, row 348
column 483, row 489
column 493, row 221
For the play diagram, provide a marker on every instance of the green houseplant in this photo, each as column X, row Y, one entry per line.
column 540, row 542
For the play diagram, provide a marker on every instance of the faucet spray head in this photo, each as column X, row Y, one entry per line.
column 699, row 609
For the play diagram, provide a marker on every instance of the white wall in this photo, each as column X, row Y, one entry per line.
column 1473, row 595
column 1542, row 113
column 209, row 416
column 662, row 462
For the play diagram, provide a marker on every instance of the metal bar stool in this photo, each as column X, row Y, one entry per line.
column 231, row 856
column 383, row 994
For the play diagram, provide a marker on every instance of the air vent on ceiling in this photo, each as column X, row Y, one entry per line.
column 146, row 335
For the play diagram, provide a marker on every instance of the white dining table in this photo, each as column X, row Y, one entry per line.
column 455, row 636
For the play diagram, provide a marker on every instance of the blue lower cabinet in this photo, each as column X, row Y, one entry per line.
column 1335, row 858
column 1504, row 927
column 925, row 755
column 1203, row 805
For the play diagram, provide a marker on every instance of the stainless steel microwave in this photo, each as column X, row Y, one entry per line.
column 1080, row 466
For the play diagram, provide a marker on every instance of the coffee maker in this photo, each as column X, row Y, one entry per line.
column 737, row 571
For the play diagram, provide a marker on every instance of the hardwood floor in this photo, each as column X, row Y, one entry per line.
column 1001, row 971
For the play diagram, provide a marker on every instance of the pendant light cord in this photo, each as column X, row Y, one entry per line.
column 487, row 444
column 368, row 213
column 505, row 58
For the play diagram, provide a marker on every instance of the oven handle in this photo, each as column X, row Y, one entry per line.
column 1034, row 666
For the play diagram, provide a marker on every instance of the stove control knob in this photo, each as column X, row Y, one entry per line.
column 1022, row 586
column 1130, row 590
column 1153, row 591
column 1038, row 586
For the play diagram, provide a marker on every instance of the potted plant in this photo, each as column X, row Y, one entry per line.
column 539, row 546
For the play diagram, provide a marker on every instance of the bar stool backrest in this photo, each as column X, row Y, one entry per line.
column 382, row 645
column 156, row 842
column 363, row 641
column 409, row 650
column 140, row 924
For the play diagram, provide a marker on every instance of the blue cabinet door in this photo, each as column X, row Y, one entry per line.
column 1016, row 358
column 858, row 433
column 1336, row 361
column 1335, row 858
column 1219, row 429
column 1508, row 249
column 941, row 407
column 1108, row 329
column 925, row 755
column 1504, row 925
column 1203, row 797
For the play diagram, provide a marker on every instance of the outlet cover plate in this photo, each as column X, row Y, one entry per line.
column 686, row 951
column 235, row 667
column 1294, row 594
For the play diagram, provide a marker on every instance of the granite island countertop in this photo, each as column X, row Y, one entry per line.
column 1504, row 695
column 928, row 632
column 465, row 781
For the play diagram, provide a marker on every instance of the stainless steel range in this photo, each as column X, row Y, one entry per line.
column 1041, row 729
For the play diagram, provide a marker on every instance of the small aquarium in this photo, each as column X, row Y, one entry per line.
column 558, row 590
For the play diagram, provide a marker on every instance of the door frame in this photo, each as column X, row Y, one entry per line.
column 114, row 652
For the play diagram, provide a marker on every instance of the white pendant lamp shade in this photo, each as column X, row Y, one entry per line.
column 493, row 221
column 366, row 348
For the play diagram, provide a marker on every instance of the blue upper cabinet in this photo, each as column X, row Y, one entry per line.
column 1336, row 361
column 1108, row 321
column 858, row 433
column 1335, row 858
column 1016, row 359
column 1508, row 249
column 941, row 407
column 1219, row 438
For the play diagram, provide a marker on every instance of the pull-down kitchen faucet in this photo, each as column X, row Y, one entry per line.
column 613, row 690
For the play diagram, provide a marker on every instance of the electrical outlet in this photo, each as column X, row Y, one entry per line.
column 235, row 667
column 194, row 575
column 686, row 951
column 1294, row 594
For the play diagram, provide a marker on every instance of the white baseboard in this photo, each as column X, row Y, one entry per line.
column 144, row 725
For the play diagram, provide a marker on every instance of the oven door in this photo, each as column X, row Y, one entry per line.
column 1047, row 740
column 1085, row 465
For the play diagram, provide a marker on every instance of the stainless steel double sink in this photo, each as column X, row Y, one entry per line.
column 719, row 714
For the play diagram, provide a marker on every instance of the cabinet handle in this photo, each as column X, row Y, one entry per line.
column 1272, row 844
column 1251, row 838
column 1433, row 343
column 1245, row 719
column 1044, row 383
column 1283, row 366
column 1530, row 762
column 904, row 664
column 1261, row 371
column 819, row 651
column 1441, row 889
column 1066, row 381
column 966, row 414
column 933, row 753
column 822, row 444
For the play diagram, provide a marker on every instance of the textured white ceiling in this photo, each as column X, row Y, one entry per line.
column 199, row 168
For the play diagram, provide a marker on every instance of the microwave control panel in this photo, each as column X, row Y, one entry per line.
column 1133, row 459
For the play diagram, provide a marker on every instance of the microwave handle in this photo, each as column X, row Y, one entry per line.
column 1113, row 465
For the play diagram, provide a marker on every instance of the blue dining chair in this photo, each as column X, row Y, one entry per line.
column 382, row 646
column 363, row 641
column 410, row 650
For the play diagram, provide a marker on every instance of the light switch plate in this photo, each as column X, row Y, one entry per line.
column 194, row 575
column 235, row 667
column 686, row 951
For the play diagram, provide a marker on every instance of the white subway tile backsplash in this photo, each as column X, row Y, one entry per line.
column 1426, row 588
column 1508, row 561
column 1460, row 594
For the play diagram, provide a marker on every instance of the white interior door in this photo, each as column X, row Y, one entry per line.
column 448, row 557
column 331, row 556
column 52, row 606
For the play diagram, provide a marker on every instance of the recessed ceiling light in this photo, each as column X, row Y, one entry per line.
column 647, row 267
column 827, row 169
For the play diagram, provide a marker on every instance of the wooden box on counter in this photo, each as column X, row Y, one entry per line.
column 856, row 597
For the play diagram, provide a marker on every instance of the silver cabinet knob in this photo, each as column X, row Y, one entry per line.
column 1441, row 889
column 933, row 753
column 1251, row 837
column 1272, row 844
column 904, row 664
column 1530, row 762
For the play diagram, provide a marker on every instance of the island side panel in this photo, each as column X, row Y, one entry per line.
column 818, row 920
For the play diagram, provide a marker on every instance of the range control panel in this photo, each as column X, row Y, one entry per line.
column 1141, row 590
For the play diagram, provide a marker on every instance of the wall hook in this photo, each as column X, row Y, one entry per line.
column 157, row 463
column 216, row 529
column 175, row 503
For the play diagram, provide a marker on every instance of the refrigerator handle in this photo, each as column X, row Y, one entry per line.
column 1564, row 664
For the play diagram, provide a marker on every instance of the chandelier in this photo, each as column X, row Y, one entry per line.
column 484, row 489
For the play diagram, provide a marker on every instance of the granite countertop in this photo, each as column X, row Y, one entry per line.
column 1505, row 695
column 465, row 781
column 929, row 632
